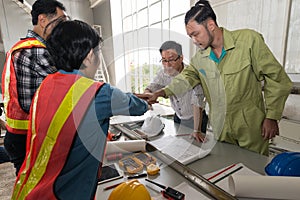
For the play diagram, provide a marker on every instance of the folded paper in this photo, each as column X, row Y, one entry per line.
column 125, row 146
column 264, row 187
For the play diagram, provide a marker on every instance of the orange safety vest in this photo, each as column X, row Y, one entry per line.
column 16, row 118
column 56, row 118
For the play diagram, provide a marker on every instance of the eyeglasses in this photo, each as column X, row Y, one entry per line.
column 171, row 61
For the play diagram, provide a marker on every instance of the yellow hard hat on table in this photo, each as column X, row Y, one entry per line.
column 130, row 190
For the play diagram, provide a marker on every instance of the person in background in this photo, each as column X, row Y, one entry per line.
column 67, row 133
column 3, row 154
column 2, row 122
column 27, row 64
column 188, row 107
column 243, row 61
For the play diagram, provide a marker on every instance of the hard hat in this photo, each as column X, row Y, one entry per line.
column 152, row 126
column 130, row 190
column 284, row 164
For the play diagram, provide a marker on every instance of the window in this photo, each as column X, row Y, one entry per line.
column 146, row 24
column 292, row 64
column 151, row 22
column 278, row 21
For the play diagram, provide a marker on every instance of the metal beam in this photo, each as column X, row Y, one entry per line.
column 95, row 3
column 25, row 6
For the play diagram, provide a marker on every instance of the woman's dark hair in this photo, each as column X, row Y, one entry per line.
column 200, row 12
column 70, row 42
column 47, row 7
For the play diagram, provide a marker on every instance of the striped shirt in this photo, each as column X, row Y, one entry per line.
column 183, row 104
column 31, row 66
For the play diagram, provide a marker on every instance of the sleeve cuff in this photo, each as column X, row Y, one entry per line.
column 273, row 115
column 168, row 92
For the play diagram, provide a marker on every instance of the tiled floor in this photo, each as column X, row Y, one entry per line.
column 7, row 180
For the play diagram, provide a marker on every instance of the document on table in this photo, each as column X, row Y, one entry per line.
column 224, row 171
column 180, row 149
column 217, row 175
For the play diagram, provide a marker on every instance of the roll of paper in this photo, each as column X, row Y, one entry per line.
column 125, row 146
column 266, row 187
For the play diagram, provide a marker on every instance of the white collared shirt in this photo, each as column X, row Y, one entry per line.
column 182, row 104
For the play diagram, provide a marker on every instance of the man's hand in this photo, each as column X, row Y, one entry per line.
column 151, row 98
column 270, row 129
column 146, row 96
column 200, row 137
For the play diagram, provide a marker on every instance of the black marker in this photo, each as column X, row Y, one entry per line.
column 168, row 192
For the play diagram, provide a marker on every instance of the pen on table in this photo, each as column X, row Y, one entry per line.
column 112, row 186
column 187, row 134
column 137, row 176
column 224, row 170
column 226, row 175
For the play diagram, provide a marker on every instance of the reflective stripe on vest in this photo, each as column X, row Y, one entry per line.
column 24, row 187
column 18, row 124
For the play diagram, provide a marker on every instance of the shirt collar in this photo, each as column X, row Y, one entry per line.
column 32, row 34
column 228, row 39
column 213, row 56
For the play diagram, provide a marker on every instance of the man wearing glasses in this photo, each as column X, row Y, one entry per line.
column 189, row 107
column 27, row 64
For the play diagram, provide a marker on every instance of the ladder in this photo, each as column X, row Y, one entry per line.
column 102, row 72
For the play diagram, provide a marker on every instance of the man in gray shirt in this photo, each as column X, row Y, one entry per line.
column 188, row 107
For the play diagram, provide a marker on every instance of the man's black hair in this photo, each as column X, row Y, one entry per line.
column 200, row 12
column 69, row 48
column 47, row 7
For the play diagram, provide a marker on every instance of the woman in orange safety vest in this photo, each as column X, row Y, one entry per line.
column 69, row 120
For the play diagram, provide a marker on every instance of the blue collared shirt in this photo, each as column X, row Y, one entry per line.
column 88, row 149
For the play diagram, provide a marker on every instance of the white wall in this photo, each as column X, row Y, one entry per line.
column 265, row 16
column 14, row 23
column 79, row 9
column 2, row 60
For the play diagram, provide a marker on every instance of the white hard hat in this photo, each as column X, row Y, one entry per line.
column 152, row 126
